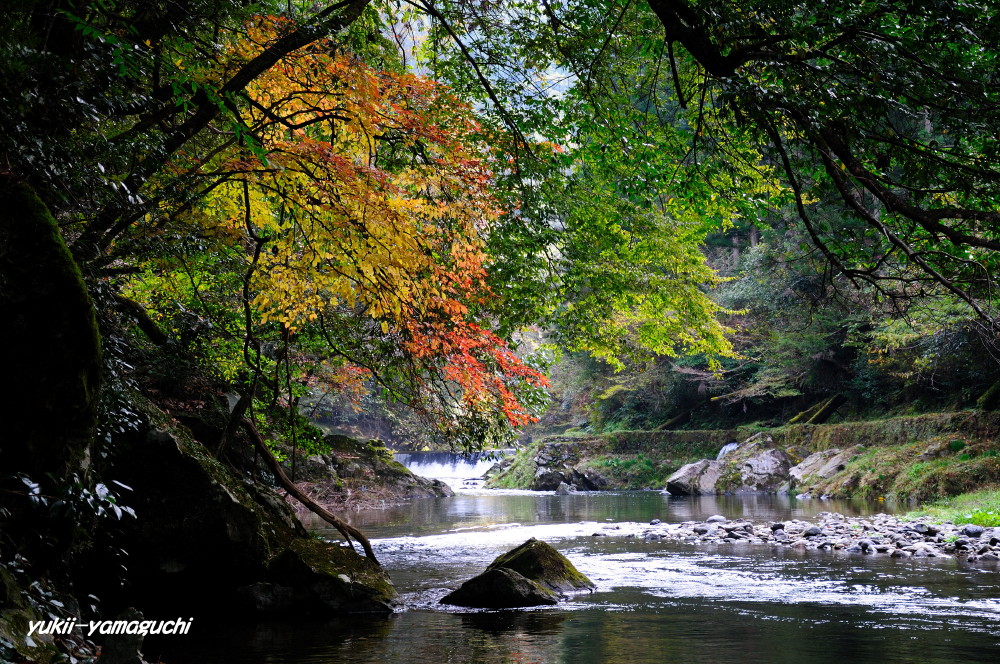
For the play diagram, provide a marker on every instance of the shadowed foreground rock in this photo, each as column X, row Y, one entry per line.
column 500, row 588
column 531, row 574
column 206, row 538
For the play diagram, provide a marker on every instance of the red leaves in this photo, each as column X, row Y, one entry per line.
column 479, row 362
column 376, row 200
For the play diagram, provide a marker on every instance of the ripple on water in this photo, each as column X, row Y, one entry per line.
column 670, row 573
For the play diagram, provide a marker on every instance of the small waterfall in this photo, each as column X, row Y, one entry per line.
column 457, row 470
column 726, row 449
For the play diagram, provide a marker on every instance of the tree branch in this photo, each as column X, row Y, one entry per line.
column 345, row 529
column 100, row 234
column 142, row 319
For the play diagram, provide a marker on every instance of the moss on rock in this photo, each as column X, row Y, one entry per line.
column 541, row 563
column 532, row 574
column 500, row 588
column 327, row 577
column 990, row 399
column 51, row 342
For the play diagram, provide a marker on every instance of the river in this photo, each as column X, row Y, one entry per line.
column 655, row 601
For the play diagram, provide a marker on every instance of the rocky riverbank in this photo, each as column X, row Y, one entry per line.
column 357, row 474
column 878, row 535
column 920, row 457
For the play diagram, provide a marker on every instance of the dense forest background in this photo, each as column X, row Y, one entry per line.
column 437, row 221
column 748, row 224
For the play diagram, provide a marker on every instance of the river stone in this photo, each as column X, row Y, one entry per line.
column 547, row 480
column 313, row 468
column 328, row 578
column 589, row 480
column 124, row 648
column 695, row 479
column 266, row 598
column 500, row 588
column 539, row 562
column 528, row 575
column 565, row 489
column 972, row 530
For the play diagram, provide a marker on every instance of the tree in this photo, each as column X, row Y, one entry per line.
column 358, row 219
column 894, row 102
column 613, row 204
column 885, row 110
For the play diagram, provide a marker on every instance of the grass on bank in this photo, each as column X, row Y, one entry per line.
column 979, row 507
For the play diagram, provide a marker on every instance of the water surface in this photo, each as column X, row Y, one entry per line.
column 655, row 601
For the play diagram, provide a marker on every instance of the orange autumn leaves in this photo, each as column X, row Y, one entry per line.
column 370, row 192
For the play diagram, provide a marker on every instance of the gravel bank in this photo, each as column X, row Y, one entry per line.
column 878, row 535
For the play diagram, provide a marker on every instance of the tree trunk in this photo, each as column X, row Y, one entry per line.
column 345, row 529
column 828, row 408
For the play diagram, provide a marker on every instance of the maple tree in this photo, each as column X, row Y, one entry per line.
column 356, row 195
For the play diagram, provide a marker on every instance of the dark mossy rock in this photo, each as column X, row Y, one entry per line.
column 541, row 563
column 549, row 480
column 52, row 351
column 500, row 588
column 990, row 399
column 532, row 574
column 312, row 577
column 203, row 537
column 123, row 648
column 24, row 600
column 16, row 614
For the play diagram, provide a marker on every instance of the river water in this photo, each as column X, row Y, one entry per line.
column 655, row 601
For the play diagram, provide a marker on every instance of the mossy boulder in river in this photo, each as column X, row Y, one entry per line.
column 500, row 588
column 541, row 563
column 532, row 574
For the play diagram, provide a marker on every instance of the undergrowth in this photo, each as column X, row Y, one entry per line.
column 980, row 507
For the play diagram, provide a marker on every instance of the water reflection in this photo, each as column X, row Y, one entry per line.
column 631, row 633
column 470, row 510
column 655, row 601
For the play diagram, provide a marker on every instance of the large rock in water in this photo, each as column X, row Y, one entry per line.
column 531, row 574
column 500, row 588
column 695, row 479
column 823, row 465
column 765, row 471
column 751, row 468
